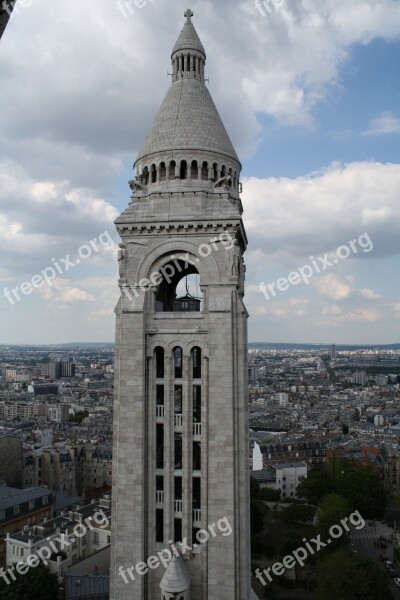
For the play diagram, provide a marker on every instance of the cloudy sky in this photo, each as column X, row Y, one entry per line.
column 309, row 91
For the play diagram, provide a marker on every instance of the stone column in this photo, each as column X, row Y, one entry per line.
column 169, row 450
column 204, row 465
column 187, row 450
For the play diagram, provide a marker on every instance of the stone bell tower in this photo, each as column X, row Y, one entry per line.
column 180, row 418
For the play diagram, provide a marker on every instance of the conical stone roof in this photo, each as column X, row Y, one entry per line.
column 176, row 577
column 188, row 120
column 188, row 39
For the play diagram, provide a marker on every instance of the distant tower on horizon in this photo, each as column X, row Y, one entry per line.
column 181, row 449
column 333, row 352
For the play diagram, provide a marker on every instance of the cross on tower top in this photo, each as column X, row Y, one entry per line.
column 189, row 14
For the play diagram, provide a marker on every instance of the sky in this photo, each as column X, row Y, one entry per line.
column 309, row 91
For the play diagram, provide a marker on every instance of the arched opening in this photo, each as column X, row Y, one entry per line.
column 223, row 172
column 184, row 169
column 163, row 172
column 159, row 353
column 204, row 171
column 179, row 290
column 146, row 176
column 215, row 167
column 172, row 167
column 153, row 174
column 194, row 172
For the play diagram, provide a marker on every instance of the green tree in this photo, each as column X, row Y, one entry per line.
column 358, row 485
column 343, row 576
column 269, row 495
column 37, row 583
column 315, row 486
column 79, row 416
column 296, row 513
column 255, row 489
column 256, row 517
column 331, row 511
column 363, row 492
column 257, row 508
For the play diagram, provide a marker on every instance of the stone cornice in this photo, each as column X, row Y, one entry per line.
column 178, row 227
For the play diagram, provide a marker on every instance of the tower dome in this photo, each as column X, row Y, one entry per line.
column 188, row 123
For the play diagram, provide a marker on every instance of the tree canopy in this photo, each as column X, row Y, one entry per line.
column 358, row 485
column 363, row 491
column 38, row 582
column 343, row 576
column 315, row 486
column 332, row 510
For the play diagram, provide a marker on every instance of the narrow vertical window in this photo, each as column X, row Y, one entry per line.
column 160, row 363
column 178, row 451
column 160, row 395
column 196, row 357
column 196, row 493
column 178, row 400
column 160, row 446
column 178, row 530
column 197, row 404
column 159, row 526
column 196, row 456
column 178, row 363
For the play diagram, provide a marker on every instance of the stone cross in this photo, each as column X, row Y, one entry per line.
column 189, row 14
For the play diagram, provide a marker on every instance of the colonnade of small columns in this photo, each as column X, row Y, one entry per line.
column 186, row 170
column 190, row 66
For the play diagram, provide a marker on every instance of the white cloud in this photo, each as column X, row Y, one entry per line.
column 384, row 124
column 369, row 294
column 330, row 286
column 334, row 310
column 64, row 291
column 318, row 213
column 40, row 220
